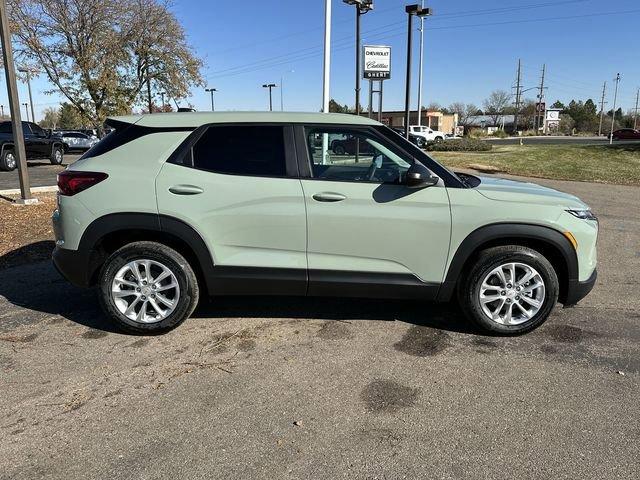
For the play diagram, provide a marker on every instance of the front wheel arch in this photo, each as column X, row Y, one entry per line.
column 545, row 240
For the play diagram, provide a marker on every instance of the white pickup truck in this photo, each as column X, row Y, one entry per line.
column 427, row 133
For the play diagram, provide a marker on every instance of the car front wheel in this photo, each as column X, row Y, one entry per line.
column 509, row 290
column 147, row 287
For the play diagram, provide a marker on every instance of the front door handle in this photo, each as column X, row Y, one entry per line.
column 329, row 197
column 185, row 189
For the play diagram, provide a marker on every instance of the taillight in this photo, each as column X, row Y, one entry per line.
column 71, row 182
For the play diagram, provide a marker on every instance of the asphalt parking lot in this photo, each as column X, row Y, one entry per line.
column 41, row 173
column 326, row 388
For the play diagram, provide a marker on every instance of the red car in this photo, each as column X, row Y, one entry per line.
column 626, row 134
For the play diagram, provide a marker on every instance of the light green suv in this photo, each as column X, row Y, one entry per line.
column 171, row 206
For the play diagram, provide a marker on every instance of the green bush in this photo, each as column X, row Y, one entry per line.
column 460, row 145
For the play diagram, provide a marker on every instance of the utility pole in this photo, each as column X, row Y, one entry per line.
column 602, row 104
column 2, row 110
column 635, row 114
column 270, row 86
column 539, row 114
column 326, row 64
column 162, row 94
column 518, row 87
column 613, row 116
column 420, row 63
column 14, row 106
column 211, row 91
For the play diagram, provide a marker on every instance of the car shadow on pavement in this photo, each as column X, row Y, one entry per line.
column 30, row 282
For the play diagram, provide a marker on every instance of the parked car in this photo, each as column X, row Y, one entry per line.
column 205, row 212
column 427, row 133
column 38, row 144
column 348, row 145
column 626, row 134
column 417, row 140
column 76, row 140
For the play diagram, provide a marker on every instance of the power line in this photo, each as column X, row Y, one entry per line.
column 299, row 54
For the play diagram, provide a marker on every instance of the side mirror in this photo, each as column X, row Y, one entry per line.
column 419, row 176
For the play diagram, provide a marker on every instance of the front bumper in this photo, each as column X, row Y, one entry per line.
column 577, row 290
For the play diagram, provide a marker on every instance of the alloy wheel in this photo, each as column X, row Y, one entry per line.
column 512, row 293
column 145, row 291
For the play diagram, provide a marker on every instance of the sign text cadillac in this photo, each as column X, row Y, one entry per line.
column 377, row 62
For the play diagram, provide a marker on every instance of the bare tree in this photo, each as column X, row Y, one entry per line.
column 495, row 105
column 51, row 118
column 105, row 56
column 464, row 111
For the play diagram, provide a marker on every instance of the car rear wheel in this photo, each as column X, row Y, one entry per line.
column 147, row 287
column 8, row 161
column 339, row 150
column 57, row 155
column 509, row 290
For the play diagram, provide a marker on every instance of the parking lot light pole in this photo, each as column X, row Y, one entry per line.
column 211, row 91
column 362, row 7
column 27, row 72
column 14, row 106
column 419, row 12
column 26, row 110
column 270, row 86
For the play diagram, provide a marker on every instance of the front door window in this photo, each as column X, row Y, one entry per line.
column 353, row 156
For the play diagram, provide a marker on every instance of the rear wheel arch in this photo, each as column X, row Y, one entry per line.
column 549, row 242
column 107, row 234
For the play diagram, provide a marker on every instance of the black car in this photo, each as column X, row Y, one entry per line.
column 417, row 140
column 38, row 144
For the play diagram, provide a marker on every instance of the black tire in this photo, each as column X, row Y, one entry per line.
column 339, row 149
column 57, row 155
column 157, row 252
column 8, row 160
column 469, row 287
column 439, row 139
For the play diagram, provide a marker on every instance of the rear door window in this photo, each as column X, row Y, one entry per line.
column 242, row 150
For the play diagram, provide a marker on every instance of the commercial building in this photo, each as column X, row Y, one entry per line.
column 443, row 122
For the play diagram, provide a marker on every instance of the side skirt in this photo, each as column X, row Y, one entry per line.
column 226, row 280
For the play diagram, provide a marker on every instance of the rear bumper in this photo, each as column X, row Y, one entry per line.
column 578, row 290
column 72, row 265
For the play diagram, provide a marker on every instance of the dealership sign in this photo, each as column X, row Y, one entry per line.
column 377, row 62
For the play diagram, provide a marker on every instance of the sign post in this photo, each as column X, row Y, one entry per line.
column 376, row 67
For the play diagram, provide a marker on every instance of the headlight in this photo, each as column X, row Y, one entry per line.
column 583, row 214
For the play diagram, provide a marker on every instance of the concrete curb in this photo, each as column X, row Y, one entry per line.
column 16, row 191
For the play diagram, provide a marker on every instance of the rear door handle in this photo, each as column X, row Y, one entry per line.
column 185, row 189
column 329, row 197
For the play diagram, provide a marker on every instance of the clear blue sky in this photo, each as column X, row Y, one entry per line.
column 471, row 48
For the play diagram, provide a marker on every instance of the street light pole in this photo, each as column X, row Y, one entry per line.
column 362, row 7
column 211, row 91
column 418, row 11
column 421, row 62
column 270, row 86
column 27, row 72
column 14, row 106
column 326, row 65
column 162, row 94
column 26, row 110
